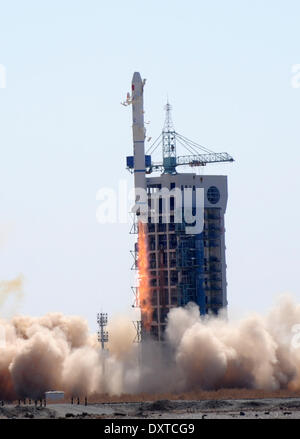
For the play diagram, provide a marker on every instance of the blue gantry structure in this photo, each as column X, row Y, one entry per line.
column 185, row 264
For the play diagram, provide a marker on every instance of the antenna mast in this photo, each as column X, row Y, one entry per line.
column 102, row 333
column 169, row 143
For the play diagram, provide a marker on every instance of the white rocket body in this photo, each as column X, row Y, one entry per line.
column 138, row 130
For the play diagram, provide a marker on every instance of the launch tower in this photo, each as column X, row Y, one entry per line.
column 183, row 266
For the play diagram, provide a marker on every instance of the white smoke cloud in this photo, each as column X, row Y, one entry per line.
column 255, row 352
column 58, row 352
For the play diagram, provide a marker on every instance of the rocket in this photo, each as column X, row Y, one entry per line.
column 139, row 132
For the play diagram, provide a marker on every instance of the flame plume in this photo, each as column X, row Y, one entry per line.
column 144, row 283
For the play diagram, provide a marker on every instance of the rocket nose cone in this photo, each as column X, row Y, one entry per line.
column 136, row 79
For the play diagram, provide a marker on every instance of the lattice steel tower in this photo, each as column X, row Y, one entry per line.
column 169, row 143
column 102, row 333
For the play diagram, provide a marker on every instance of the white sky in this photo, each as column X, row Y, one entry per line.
column 226, row 67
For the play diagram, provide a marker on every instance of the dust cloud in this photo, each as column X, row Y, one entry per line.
column 58, row 352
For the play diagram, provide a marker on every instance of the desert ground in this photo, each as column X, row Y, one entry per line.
column 221, row 404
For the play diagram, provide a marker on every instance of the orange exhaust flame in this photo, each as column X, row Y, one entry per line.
column 144, row 281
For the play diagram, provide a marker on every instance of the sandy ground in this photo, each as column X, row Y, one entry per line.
column 162, row 409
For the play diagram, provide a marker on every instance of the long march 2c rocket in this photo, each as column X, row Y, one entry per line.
column 138, row 130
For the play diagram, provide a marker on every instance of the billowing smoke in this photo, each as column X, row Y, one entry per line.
column 58, row 352
column 255, row 352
